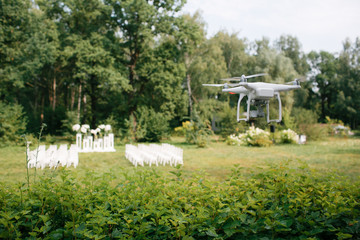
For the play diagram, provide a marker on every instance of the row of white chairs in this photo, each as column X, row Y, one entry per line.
column 154, row 154
column 53, row 156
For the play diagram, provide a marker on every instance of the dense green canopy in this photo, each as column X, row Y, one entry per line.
column 139, row 64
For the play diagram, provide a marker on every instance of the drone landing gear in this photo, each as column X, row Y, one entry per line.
column 268, row 112
column 259, row 112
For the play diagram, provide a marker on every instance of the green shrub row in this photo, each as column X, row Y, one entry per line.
column 280, row 203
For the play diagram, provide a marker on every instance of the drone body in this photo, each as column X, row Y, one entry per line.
column 258, row 94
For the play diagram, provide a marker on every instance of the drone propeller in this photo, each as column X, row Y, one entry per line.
column 243, row 78
column 296, row 81
column 256, row 75
column 221, row 85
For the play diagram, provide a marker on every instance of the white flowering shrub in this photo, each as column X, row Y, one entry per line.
column 288, row 136
column 235, row 140
column 252, row 137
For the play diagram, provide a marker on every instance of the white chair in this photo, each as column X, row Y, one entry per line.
column 148, row 155
column 36, row 157
column 132, row 153
column 73, row 156
column 153, row 154
column 50, row 157
column 175, row 152
column 62, row 155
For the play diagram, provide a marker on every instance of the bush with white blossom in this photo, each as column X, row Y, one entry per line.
column 252, row 137
column 288, row 136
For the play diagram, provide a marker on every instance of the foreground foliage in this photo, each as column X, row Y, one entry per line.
column 281, row 203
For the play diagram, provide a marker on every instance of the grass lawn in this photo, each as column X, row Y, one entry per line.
column 215, row 161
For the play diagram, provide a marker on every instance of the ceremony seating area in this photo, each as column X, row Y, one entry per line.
column 154, row 154
column 53, row 156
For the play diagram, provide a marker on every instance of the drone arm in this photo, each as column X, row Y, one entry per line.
column 268, row 112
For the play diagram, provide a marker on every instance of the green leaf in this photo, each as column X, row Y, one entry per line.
column 44, row 218
column 211, row 233
column 344, row 235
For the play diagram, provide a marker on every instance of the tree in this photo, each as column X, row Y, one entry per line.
column 291, row 47
column 190, row 37
column 323, row 78
column 138, row 23
column 40, row 68
column 347, row 101
column 234, row 52
column 14, row 17
column 280, row 69
column 86, row 44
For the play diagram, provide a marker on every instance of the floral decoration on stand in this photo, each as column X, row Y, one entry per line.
column 94, row 140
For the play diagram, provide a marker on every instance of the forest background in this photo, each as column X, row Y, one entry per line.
column 139, row 65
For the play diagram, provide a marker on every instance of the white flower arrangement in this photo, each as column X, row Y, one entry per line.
column 102, row 126
column 76, row 127
column 83, row 130
column 93, row 131
column 107, row 128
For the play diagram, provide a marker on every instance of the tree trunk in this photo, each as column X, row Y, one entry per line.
column 36, row 99
column 42, row 108
column 72, row 101
column 323, row 107
column 188, row 82
column 85, row 118
column 54, row 94
column 93, row 99
column 79, row 103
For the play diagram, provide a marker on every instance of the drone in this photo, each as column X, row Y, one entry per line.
column 258, row 94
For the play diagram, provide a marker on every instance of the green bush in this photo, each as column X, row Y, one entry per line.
column 306, row 122
column 68, row 123
column 228, row 122
column 314, row 132
column 280, row 203
column 12, row 123
column 150, row 126
column 196, row 131
column 303, row 116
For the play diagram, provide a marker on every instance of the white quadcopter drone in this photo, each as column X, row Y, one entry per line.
column 258, row 94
